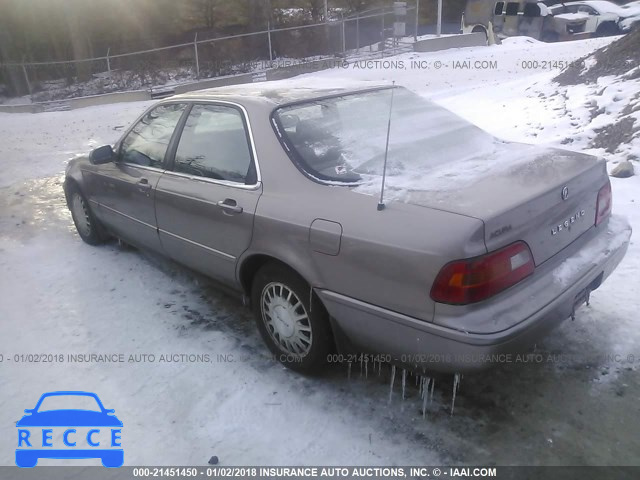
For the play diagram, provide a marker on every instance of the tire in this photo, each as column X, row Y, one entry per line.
column 278, row 296
column 87, row 225
column 607, row 29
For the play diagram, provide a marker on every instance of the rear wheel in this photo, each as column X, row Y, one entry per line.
column 295, row 331
column 88, row 227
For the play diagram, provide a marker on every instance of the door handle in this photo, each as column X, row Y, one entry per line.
column 229, row 206
column 144, row 186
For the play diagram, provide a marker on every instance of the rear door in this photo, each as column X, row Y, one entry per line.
column 206, row 200
column 125, row 189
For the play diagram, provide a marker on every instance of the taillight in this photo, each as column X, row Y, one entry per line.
column 475, row 279
column 603, row 206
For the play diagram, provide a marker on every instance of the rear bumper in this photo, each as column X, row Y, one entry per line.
column 521, row 316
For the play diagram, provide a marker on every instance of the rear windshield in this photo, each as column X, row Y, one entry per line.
column 342, row 139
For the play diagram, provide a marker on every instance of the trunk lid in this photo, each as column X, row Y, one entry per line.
column 545, row 197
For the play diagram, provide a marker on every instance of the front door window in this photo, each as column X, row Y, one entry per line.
column 146, row 144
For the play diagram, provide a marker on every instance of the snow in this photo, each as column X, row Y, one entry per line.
column 58, row 295
column 573, row 16
column 594, row 252
column 629, row 20
column 602, row 6
column 483, row 160
column 34, row 149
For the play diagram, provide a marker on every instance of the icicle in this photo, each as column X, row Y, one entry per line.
column 425, row 397
column 433, row 384
column 349, row 371
column 404, row 381
column 393, row 377
column 366, row 368
column 379, row 368
column 456, row 384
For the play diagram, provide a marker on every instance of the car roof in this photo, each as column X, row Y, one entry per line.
column 278, row 93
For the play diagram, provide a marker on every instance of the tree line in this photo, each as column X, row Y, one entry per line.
column 60, row 30
column 44, row 30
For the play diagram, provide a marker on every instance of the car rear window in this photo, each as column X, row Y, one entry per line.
column 342, row 139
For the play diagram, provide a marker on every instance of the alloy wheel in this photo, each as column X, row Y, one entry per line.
column 286, row 319
column 81, row 215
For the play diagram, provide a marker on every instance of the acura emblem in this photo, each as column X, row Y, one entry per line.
column 565, row 192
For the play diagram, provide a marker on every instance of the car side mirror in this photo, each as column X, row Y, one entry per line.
column 28, row 410
column 109, row 411
column 102, row 155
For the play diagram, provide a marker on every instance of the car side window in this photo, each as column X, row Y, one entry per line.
column 214, row 144
column 512, row 9
column 146, row 144
column 586, row 9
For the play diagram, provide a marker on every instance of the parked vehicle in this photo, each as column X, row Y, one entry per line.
column 478, row 247
column 524, row 17
column 630, row 16
column 603, row 16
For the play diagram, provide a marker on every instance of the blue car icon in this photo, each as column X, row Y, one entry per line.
column 36, row 430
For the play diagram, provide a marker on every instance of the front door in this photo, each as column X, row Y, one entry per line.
column 125, row 189
column 592, row 21
column 206, row 201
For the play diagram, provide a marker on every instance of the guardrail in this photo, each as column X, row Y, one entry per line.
column 451, row 41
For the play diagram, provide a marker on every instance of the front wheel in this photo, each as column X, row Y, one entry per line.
column 296, row 332
column 85, row 221
column 607, row 29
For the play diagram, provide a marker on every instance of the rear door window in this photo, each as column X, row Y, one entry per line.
column 214, row 144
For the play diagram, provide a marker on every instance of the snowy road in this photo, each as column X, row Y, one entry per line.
column 222, row 395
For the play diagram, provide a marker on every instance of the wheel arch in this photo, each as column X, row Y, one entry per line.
column 73, row 179
column 608, row 27
column 250, row 265
column 480, row 28
column 70, row 184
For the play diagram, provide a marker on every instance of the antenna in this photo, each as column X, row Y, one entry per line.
column 386, row 151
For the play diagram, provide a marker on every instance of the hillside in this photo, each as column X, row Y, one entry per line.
column 602, row 93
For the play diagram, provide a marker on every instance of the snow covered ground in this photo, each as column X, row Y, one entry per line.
column 60, row 296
